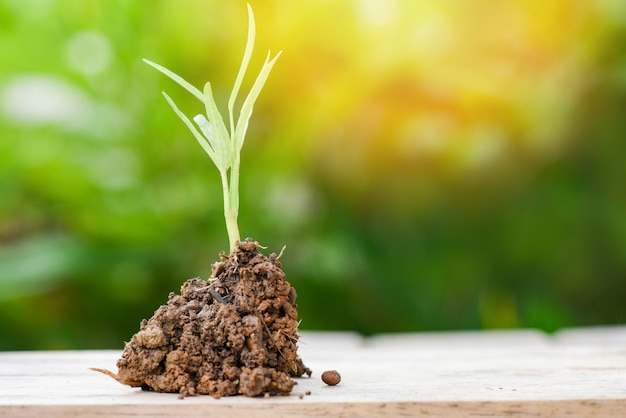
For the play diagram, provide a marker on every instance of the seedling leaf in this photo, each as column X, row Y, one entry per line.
column 182, row 82
column 221, row 139
column 201, row 139
column 242, row 69
column 248, row 104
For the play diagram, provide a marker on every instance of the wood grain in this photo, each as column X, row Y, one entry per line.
column 578, row 372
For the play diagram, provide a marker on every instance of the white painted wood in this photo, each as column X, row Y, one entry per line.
column 577, row 372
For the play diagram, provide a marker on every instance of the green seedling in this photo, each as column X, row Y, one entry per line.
column 221, row 143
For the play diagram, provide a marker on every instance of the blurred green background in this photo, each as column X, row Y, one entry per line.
column 456, row 164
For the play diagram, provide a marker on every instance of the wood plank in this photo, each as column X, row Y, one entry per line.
column 523, row 373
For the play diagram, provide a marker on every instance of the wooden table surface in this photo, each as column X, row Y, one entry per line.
column 577, row 372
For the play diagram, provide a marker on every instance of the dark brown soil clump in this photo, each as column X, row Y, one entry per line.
column 235, row 334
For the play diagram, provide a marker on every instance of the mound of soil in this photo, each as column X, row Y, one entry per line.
column 235, row 334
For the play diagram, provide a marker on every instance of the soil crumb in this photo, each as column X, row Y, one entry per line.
column 234, row 334
column 331, row 377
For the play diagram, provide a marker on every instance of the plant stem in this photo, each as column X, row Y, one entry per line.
column 230, row 211
column 234, row 185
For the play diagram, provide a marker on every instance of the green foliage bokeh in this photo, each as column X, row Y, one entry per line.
column 430, row 166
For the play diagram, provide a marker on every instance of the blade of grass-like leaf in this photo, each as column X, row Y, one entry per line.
column 182, row 82
column 204, row 143
column 221, row 138
column 242, row 69
column 205, row 128
column 248, row 104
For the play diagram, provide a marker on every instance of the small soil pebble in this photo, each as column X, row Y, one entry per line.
column 331, row 377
